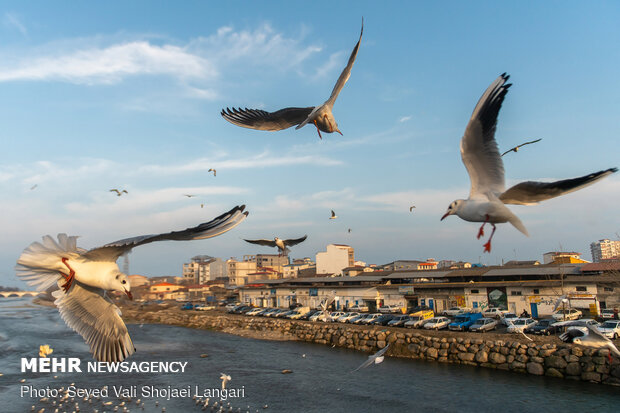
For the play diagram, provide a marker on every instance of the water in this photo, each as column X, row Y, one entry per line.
column 321, row 381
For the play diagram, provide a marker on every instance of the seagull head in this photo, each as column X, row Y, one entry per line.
column 327, row 123
column 120, row 282
column 453, row 208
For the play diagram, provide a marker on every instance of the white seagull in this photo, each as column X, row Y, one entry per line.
column 85, row 276
column 325, row 316
column 321, row 116
column 225, row 379
column 593, row 338
column 281, row 244
column 334, row 216
column 561, row 301
column 375, row 358
column 481, row 157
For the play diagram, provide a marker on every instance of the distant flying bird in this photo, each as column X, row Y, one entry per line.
column 225, row 379
column 349, row 230
column 202, row 205
column 82, row 299
column 281, row 244
column 118, row 193
column 34, row 186
column 481, row 157
column 213, row 170
column 516, row 148
column 560, row 302
column 593, row 338
column 321, row 116
column 411, row 208
column 334, row 216
column 189, row 195
column 374, row 359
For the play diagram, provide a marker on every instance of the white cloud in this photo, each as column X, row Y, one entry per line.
column 111, row 64
column 335, row 61
column 12, row 21
column 404, row 119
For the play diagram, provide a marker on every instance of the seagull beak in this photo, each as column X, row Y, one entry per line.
column 444, row 215
column 338, row 130
column 129, row 294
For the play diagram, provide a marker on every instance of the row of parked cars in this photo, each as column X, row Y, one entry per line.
column 424, row 317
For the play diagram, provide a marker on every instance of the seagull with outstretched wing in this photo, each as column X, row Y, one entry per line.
column 118, row 192
column 516, row 148
column 84, row 277
column 321, row 116
column 480, row 154
column 281, row 244
column 374, row 359
column 593, row 338
column 333, row 216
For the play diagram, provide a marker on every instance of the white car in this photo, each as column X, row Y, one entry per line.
column 254, row 311
column 607, row 313
column 205, row 307
column 333, row 316
column 436, row 323
column 454, row 311
column 493, row 313
column 359, row 307
column 483, row 324
column 508, row 318
column 346, row 317
column 610, row 329
column 520, row 324
column 230, row 306
column 571, row 314
column 390, row 309
column 370, row 318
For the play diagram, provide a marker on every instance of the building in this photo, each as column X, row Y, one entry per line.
column 136, row 280
column 605, row 249
column 534, row 288
column 559, row 257
column 334, row 259
column 167, row 291
column 293, row 270
column 275, row 261
column 203, row 268
column 238, row 270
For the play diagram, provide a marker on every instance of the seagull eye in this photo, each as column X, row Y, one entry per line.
column 124, row 282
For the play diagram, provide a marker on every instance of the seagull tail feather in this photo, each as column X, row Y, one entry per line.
column 516, row 222
column 40, row 263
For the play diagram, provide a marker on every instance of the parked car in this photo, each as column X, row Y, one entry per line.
column 346, row 317
column 359, row 307
column 569, row 314
column 483, row 324
column 436, row 323
column 520, row 324
column 582, row 325
column 398, row 321
column 421, row 309
column 333, row 316
column 494, row 312
column 464, row 321
column 417, row 321
column 255, row 311
column 610, row 329
column 391, row 309
column 230, row 306
column 382, row 320
column 187, row 306
column 543, row 327
column 285, row 314
column 299, row 313
column 607, row 313
column 370, row 318
column 454, row 311
column 308, row 315
column 316, row 315
column 274, row 313
column 202, row 307
column 508, row 318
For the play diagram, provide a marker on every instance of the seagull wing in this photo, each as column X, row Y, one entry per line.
column 372, row 358
column 592, row 330
column 569, row 335
column 530, row 192
column 213, row 228
column 262, row 120
column 559, row 301
column 265, row 242
column 479, row 150
column 92, row 315
column 346, row 73
column 291, row 242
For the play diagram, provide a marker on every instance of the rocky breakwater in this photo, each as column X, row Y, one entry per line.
column 549, row 359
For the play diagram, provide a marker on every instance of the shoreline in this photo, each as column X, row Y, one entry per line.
column 544, row 355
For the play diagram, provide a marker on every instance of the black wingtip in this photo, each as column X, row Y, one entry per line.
column 613, row 170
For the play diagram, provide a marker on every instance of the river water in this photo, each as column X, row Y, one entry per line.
column 321, row 380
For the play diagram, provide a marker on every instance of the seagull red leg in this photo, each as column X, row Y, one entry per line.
column 68, row 277
column 318, row 130
column 481, row 231
column 487, row 246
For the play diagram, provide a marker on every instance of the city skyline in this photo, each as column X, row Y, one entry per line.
column 132, row 100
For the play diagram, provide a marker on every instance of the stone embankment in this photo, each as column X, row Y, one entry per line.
column 550, row 359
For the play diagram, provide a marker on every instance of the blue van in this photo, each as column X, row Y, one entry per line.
column 464, row 321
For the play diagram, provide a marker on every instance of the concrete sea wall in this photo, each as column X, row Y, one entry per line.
column 550, row 359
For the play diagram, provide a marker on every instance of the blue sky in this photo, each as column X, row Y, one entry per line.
column 116, row 94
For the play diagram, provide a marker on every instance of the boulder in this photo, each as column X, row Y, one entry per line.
column 555, row 361
column 482, row 356
column 535, row 368
column 552, row 372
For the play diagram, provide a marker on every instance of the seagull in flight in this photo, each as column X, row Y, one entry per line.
column 516, row 148
column 321, row 116
column 480, row 154
column 325, row 316
column 84, row 277
column 189, row 195
column 214, row 171
column 334, row 216
column 411, row 208
column 593, row 338
column 34, row 187
column 281, row 244
column 376, row 358
column 118, row 193
column 561, row 301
